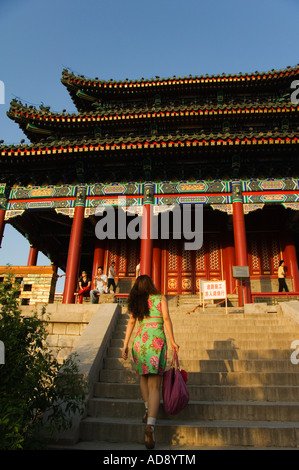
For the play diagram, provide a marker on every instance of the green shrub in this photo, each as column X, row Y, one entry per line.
column 37, row 394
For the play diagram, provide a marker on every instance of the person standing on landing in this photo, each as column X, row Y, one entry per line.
column 281, row 277
column 138, row 268
column 111, row 277
column 149, row 349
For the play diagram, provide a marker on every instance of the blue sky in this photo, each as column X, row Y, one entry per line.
column 131, row 39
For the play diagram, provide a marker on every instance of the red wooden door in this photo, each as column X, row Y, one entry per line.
column 125, row 254
column 263, row 253
column 185, row 268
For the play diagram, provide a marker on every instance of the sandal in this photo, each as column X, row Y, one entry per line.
column 149, row 437
column 144, row 419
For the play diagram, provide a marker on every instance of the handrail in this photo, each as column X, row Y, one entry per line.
column 277, row 295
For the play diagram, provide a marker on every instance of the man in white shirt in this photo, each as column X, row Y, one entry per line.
column 281, row 277
column 100, row 283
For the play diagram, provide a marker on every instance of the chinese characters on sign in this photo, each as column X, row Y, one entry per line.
column 214, row 290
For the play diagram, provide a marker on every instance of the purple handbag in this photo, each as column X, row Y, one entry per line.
column 174, row 390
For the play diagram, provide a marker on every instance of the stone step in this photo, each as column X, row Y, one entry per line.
column 217, row 313
column 214, row 365
column 222, row 330
column 220, row 353
column 186, row 321
column 198, row 433
column 199, row 410
column 218, row 393
column 243, row 387
column 222, row 314
column 211, row 378
column 271, row 311
column 201, row 336
column 223, row 320
column 226, row 321
column 210, row 344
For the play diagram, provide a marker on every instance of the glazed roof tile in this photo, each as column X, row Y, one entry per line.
column 84, row 91
column 69, row 78
column 201, row 140
column 32, row 117
column 19, row 112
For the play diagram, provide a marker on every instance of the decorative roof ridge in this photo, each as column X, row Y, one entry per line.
column 141, row 142
column 70, row 79
column 18, row 111
column 18, row 106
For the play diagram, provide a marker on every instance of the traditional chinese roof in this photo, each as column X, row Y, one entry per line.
column 85, row 91
column 180, row 104
column 188, row 130
column 210, row 156
column 186, row 140
column 38, row 123
column 207, row 128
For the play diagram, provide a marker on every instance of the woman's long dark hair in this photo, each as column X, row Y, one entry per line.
column 138, row 298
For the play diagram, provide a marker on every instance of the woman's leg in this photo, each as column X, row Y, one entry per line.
column 144, row 387
column 154, row 387
column 150, row 386
column 84, row 292
column 144, row 394
column 80, row 297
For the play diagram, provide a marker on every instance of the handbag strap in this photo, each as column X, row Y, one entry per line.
column 175, row 360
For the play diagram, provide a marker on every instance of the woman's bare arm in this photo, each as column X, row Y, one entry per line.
column 130, row 327
column 168, row 324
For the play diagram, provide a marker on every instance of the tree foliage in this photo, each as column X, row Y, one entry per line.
column 37, row 394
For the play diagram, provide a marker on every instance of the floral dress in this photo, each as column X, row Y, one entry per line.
column 149, row 347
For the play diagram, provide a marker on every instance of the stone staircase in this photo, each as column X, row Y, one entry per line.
column 244, row 390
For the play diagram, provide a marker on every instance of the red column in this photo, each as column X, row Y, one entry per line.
column 240, row 240
column 156, row 268
column 290, row 258
column 74, row 253
column 163, row 268
column 98, row 258
column 146, row 249
column 228, row 259
column 32, row 258
column 2, row 224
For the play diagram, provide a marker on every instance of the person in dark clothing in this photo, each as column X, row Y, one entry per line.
column 281, row 277
column 84, row 287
